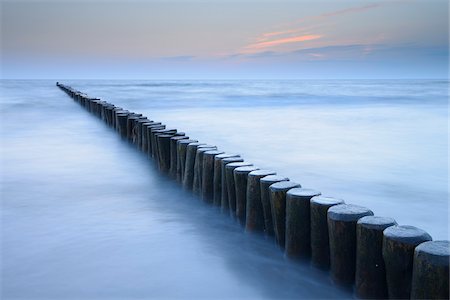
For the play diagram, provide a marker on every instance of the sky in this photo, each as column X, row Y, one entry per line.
column 224, row 39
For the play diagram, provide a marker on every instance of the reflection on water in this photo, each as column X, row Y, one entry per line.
column 85, row 215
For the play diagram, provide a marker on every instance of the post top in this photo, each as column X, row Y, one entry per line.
column 245, row 169
column 283, row 186
column 376, row 222
column 406, row 234
column 232, row 159
column 326, row 201
column 213, row 152
column 262, row 172
column 302, row 192
column 226, row 155
column 274, row 178
column 237, row 164
column 348, row 212
column 436, row 252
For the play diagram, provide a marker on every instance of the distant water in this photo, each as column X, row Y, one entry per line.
column 84, row 215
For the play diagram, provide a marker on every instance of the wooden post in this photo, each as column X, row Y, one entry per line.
column 430, row 271
column 342, row 220
column 225, row 203
column 198, row 168
column 231, row 185
column 240, row 180
column 188, row 178
column 399, row 243
column 298, row 222
column 255, row 214
column 217, row 177
column 265, row 183
column 181, row 157
column 208, row 175
column 320, row 246
column 278, row 192
column 370, row 279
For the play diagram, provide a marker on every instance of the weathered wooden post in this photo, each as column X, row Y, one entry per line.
column 224, row 201
column 191, row 152
column 254, row 220
column 198, row 168
column 370, row 278
column 278, row 192
column 399, row 243
column 181, row 157
column 430, row 279
column 240, row 180
column 217, row 177
column 298, row 222
column 342, row 220
column 320, row 246
column 121, row 122
column 150, row 141
column 265, row 183
column 174, row 154
column 163, row 141
column 231, row 185
column 208, row 175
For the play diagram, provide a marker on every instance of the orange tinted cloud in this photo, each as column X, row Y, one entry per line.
column 294, row 39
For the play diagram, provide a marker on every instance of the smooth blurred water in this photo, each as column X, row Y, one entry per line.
column 84, row 215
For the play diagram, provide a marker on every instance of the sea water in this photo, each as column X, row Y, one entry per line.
column 85, row 215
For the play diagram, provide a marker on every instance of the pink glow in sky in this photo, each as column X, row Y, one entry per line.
column 202, row 39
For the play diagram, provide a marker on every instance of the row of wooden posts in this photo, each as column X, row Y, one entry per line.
column 380, row 258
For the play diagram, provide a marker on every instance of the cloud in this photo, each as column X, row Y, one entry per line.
column 350, row 10
column 277, row 42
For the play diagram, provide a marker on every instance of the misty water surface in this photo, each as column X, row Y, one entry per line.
column 84, row 215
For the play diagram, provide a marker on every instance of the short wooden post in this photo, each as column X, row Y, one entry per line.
column 174, row 154
column 320, row 246
column 278, row 192
column 342, row 220
column 181, row 157
column 224, row 199
column 217, row 177
column 430, row 278
column 399, row 243
column 191, row 152
column 240, row 180
column 208, row 175
column 370, row 278
column 254, row 220
column 231, row 185
column 198, row 168
column 298, row 222
column 265, row 183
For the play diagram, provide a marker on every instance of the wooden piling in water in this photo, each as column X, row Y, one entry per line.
column 278, row 192
column 224, row 201
column 357, row 245
column 240, row 180
column 430, row 276
column 198, row 168
column 254, row 221
column 207, row 177
column 217, row 177
column 370, row 277
column 342, row 220
column 265, row 183
column 231, row 185
column 181, row 157
column 191, row 152
column 399, row 243
column 298, row 222
column 174, row 154
column 320, row 246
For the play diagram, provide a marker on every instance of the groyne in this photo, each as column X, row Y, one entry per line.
column 371, row 254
